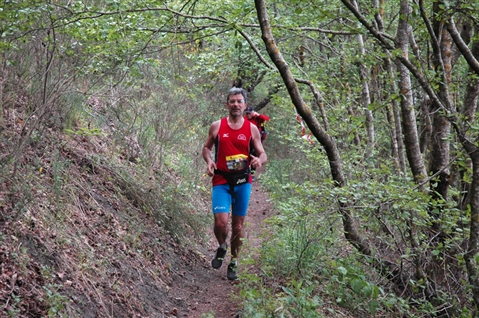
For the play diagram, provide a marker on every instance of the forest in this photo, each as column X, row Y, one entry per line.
column 373, row 151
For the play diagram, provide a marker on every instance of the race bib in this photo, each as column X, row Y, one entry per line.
column 237, row 162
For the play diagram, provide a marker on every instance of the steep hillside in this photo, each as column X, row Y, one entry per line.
column 87, row 234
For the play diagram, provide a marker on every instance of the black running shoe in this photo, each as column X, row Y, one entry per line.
column 231, row 273
column 220, row 254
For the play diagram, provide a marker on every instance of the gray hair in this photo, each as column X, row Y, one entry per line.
column 236, row 91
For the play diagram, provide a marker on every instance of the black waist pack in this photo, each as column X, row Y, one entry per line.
column 235, row 178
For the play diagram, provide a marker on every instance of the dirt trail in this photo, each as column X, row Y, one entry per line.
column 207, row 292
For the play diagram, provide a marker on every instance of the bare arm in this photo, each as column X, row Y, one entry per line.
column 210, row 141
column 262, row 117
column 261, row 158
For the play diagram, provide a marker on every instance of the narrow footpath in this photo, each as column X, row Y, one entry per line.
column 207, row 293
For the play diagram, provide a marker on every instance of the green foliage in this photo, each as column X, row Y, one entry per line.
column 303, row 246
column 296, row 300
column 56, row 302
column 300, row 300
column 299, row 243
column 305, row 242
column 140, row 82
column 258, row 299
column 352, row 290
column 208, row 315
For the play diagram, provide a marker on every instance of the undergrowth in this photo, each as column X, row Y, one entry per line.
column 305, row 267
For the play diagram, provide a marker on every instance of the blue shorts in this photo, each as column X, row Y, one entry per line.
column 222, row 200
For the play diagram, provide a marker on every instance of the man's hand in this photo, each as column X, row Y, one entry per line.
column 255, row 162
column 210, row 169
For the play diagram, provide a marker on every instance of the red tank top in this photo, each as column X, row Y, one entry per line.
column 232, row 148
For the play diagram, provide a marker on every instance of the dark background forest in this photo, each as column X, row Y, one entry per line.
column 373, row 152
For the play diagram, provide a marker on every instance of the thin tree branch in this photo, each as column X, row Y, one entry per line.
column 317, row 97
column 462, row 46
column 389, row 47
column 255, row 49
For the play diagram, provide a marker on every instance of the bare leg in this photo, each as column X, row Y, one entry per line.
column 237, row 235
column 221, row 227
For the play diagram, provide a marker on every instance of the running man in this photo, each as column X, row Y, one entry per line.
column 232, row 137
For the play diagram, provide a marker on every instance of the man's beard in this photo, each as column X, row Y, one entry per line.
column 233, row 112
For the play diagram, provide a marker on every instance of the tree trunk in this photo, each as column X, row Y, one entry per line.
column 426, row 124
column 472, row 246
column 468, row 110
column 393, row 113
column 350, row 229
column 411, row 140
column 440, row 152
column 319, row 101
column 365, row 96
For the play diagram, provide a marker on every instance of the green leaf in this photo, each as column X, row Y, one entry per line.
column 373, row 306
column 342, row 270
column 357, row 285
column 375, row 293
column 367, row 290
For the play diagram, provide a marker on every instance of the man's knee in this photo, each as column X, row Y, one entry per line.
column 221, row 223
column 221, row 219
column 237, row 227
